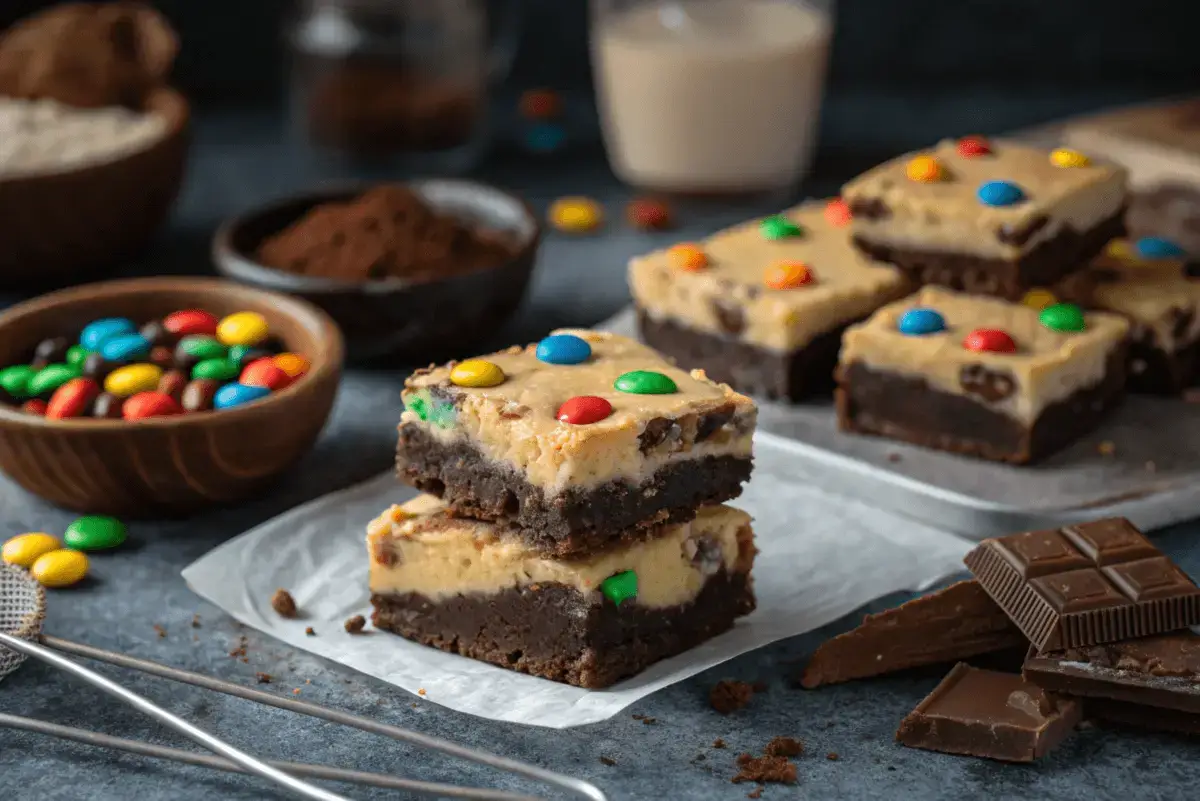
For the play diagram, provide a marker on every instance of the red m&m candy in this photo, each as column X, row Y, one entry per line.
column 265, row 373
column 837, row 213
column 190, row 321
column 72, row 399
column 989, row 340
column 34, row 406
column 149, row 404
column 584, row 409
column 972, row 146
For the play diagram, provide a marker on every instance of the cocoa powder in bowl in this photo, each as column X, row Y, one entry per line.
column 388, row 232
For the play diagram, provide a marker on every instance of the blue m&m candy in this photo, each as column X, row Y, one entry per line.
column 563, row 349
column 124, row 347
column 232, row 395
column 545, row 138
column 97, row 331
column 919, row 322
column 1156, row 247
column 1000, row 193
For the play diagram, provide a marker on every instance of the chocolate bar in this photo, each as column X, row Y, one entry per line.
column 1161, row 671
column 1085, row 584
column 987, row 714
column 1142, row 717
column 953, row 623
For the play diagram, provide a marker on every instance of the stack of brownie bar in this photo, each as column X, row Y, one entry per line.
column 573, row 525
column 1099, row 615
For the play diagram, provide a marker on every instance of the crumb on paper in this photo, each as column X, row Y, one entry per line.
column 832, row 756
column 308, row 681
column 421, row 692
column 263, row 678
column 729, row 696
column 296, row 691
column 645, row 719
column 196, row 620
column 784, row 747
column 309, row 631
column 893, row 457
column 719, row 743
column 356, row 624
column 756, row 792
column 1106, row 448
column 283, row 603
column 773, row 769
column 161, row 631
column 607, row 761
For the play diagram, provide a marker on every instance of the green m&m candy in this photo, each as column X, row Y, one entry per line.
column 645, row 382
column 201, row 347
column 51, row 377
column 1063, row 317
column 778, row 227
column 15, row 380
column 620, row 587
column 77, row 355
column 95, row 533
column 219, row 369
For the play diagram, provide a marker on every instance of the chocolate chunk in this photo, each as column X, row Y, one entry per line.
column 951, row 624
column 1020, row 235
column 50, row 351
column 705, row 553
column 658, row 431
column 729, row 696
column 386, row 553
column 1085, row 584
column 870, row 209
column 784, row 747
column 990, row 385
column 356, row 624
column 730, row 316
column 156, row 334
column 987, row 714
column 710, row 423
column 283, row 603
column 107, row 406
column 97, row 367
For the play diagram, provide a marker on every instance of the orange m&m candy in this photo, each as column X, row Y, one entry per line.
column 788, row 275
column 924, row 170
column 689, row 258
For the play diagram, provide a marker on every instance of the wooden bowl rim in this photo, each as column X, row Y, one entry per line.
column 165, row 101
column 238, row 265
column 325, row 367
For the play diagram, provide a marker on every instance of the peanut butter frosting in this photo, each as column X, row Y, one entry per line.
column 418, row 548
column 729, row 297
column 1048, row 365
column 515, row 422
column 946, row 215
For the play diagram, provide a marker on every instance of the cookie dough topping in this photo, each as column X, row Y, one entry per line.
column 1000, row 193
column 1063, row 317
column 779, row 227
column 989, row 340
column 1065, row 157
column 645, row 382
column 973, row 146
column 924, row 170
column 476, row 373
column 688, row 257
column 920, row 322
column 584, row 409
column 788, row 275
column 563, row 349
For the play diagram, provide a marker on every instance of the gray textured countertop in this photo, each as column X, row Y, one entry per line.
column 139, row 587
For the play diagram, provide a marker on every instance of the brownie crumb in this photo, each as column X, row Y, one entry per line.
column 774, row 769
column 356, row 624
column 309, row 631
column 296, row 691
column 718, row 743
column 756, row 792
column 832, row 756
column 646, row 720
column 239, row 652
column 160, row 631
column 196, row 621
column 607, row 761
column 283, row 603
column 785, row 747
column 894, row 457
column 263, row 678
column 730, row 696
column 759, row 687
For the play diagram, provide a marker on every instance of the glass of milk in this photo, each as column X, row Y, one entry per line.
column 710, row 96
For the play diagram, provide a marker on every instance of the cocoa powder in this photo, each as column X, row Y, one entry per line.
column 389, row 232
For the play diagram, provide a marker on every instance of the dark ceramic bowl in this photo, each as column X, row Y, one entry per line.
column 403, row 321
column 166, row 465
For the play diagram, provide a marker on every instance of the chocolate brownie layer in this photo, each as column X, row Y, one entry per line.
column 908, row 409
column 745, row 367
column 1154, row 371
column 577, row 520
column 552, row 631
column 1045, row 264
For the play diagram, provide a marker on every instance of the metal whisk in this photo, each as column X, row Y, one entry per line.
column 22, row 613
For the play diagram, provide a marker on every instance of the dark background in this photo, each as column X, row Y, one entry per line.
column 904, row 71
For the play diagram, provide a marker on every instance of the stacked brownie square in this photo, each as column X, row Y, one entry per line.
column 573, row 525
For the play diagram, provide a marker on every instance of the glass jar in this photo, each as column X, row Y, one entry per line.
column 710, row 96
column 402, row 83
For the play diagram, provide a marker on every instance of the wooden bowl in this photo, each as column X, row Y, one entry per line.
column 168, row 465
column 396, row 319
column 60, row 226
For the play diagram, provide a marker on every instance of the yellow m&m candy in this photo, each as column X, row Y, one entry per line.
column 24, row 549
column 60, row 568
column 924, row 170
column 476, row 373
column 243, row 328
column 576, row 214
column 1065, row 157
column 1038, row 299
column 132, row 379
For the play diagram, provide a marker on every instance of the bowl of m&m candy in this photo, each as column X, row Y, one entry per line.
column 161, row 395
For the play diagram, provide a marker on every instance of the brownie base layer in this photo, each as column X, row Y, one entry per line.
column 552, row 631
column 1154, row 371
column 1043, row 265
column 748, row 368
column 576, row 521
column 910, row 410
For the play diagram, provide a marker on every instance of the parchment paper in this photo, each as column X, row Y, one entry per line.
column 821, row 557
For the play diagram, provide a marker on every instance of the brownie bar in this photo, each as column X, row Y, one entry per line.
column 745, row 367
column 909, row 409
column 578, row 520
column 552, row 631
column 1045, row 264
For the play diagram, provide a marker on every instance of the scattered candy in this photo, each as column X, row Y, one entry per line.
column 645, row 382
column 1038, row 299
column 50, row 378
column 190, row 321
column 923, row 170
column 620, row 587
column 687, row 257
column 971, row 146
column 545, row 137
column 60, row 568
column 920, row 322
column 563, row 349
column 95, row 533
column 293, row 364
column 243, row 328
column 133, row 378
column 124, row 347
column 584, row 410
column 576, row 214
column 788, row 275
column 72, row 399
column 1000, row 193
column 232, row 395
column 198, row 396
column 779, row 227
column 1063, row 317
column 648, row 214
column 34, row 406
column 989, row 340
column 215, row 370
column 540, row 104
column 264, row 373
column 25, row 549
column 1156, row 247
column 837, row 213
column 1065, row 157
column 476, row 373
column 96, row 332
column 144, row 405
